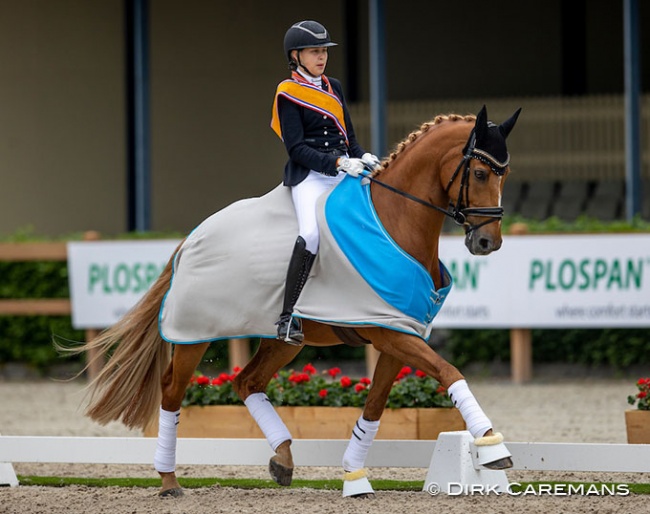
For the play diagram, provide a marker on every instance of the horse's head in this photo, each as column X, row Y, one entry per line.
column 476, row 184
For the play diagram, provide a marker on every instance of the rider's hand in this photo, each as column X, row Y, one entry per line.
column 370, row 160
column 351, row 166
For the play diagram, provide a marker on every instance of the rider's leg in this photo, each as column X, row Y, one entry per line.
column 290, row 329
column 305, row 196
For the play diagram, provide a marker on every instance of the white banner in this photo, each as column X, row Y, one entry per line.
column 108, row 277
column 550, row 281
column 557, row 281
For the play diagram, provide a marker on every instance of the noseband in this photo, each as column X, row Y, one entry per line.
column 460, row 210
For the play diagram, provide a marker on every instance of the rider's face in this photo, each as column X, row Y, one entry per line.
column 313, row 60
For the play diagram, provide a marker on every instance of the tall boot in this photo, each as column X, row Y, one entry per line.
column 290, row 329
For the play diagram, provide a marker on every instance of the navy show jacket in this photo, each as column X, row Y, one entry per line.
column 313, row 141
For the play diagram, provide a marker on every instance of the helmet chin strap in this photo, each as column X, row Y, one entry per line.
column 304, row 67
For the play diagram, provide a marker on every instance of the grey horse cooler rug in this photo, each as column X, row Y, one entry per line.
column 228, row 277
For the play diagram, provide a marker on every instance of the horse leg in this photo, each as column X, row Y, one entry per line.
column 363, row 434
column 174, row 383
column 415, row 352
column 250, row 385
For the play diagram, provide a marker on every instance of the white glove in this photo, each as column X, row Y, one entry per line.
column 370, row 160
column 350, row 165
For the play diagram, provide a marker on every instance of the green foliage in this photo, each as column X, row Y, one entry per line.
column 29, row 339
column 34, row 280
column 615, row 347
column 582, row 224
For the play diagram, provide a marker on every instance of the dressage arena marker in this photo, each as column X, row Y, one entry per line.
column 449, row 459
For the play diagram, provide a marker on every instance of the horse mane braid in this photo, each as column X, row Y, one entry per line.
column 413, row 136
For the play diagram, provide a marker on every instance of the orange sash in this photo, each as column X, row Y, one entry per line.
column 312, row 97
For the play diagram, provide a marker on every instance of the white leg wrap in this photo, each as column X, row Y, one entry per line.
column 270, row 423
column 475, row 419
column 164, row 460
column 363, row 434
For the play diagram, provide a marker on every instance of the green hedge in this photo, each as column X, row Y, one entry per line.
column 616, row 348
column 28, row 339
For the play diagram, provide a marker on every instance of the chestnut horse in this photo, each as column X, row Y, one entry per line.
column 452, row 166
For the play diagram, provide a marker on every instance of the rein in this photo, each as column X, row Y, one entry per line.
column 456, row 211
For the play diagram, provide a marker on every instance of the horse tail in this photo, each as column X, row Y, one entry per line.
column 128, row 388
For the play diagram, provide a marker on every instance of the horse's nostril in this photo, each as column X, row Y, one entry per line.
column 484, row 243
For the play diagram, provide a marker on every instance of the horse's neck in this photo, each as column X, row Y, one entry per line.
column 414, row 227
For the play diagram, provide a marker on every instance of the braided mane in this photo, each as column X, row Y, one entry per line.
column 413, row 136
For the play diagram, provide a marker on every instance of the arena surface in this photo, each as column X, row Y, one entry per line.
column 580, row 411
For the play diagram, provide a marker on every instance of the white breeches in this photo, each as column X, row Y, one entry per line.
column 304, row 197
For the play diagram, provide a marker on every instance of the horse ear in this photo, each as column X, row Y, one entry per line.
column 507, row 125
column 481, row 126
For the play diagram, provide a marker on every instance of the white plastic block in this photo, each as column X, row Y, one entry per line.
column 452, row 468
column 7, row 475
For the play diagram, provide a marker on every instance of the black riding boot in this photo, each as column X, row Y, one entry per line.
column 290, row 329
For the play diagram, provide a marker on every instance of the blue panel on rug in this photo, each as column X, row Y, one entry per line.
column 399, row 279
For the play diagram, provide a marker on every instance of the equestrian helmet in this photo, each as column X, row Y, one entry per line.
column 306, row 34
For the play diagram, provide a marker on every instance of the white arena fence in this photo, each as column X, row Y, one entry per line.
column 586, row 457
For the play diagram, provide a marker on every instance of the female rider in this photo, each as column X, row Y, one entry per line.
column 312, row 119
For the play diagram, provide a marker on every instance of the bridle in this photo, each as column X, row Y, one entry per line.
column 460, row 210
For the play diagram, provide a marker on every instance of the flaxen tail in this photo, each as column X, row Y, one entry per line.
column 128, row 388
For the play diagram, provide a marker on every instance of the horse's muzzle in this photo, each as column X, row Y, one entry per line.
column 482, row 244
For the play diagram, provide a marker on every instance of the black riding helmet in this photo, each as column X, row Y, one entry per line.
column 305, row 34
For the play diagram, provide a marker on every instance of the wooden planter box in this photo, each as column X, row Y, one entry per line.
column 638, row 426
column 234, row 421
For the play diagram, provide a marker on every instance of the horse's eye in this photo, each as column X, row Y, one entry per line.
column 480, row 174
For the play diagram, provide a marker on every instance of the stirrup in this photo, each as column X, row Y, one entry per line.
column 290, row 331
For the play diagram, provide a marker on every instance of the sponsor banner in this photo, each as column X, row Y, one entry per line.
column 553, row 281
column 550, row 281
column 108, row 277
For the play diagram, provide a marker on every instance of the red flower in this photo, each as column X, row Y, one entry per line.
column 225, row 377
column 322, row 393
column 365, row 381
column 236, row 369
column 346, row 382
column 298, row 378
column 441, row 390
column 333, row 372
column 217, row 382
column 193, row 379
column 403, row 372
column 420, row 374
column 642, row 394
column 309, row 369
column 202, row 380
column 359, row 387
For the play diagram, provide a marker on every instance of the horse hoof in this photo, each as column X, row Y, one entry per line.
column 356, row 485
column 492, row 453
column 282, row 475
column 505, row 463
column 175, row 492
